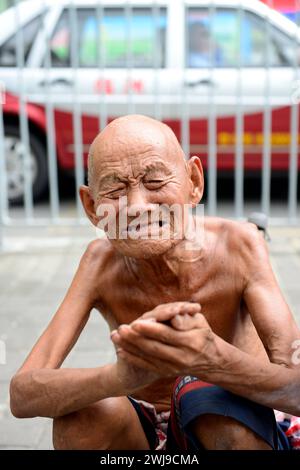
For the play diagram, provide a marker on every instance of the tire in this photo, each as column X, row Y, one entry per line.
column 14, row 165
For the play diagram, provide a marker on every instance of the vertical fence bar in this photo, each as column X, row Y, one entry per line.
column 239, row 128
column 101, row 56
column 3, row 176
column 212, row 126
column 185, row 121
column 156, row 88
column 77, row 124
column 294, row 132
column 51, row 133
column 24, row 128
column 267, row 124
column 129, row 57
column 293, row 164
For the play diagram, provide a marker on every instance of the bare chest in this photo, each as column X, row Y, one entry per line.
column 218, row 297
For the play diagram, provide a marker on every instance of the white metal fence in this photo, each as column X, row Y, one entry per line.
column 243, row 101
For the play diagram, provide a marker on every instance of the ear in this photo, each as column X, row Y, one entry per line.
column 197, row 180
column 88, row 204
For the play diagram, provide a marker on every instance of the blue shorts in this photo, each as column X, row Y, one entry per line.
column 192, row 398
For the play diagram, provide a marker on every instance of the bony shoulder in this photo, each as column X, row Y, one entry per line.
column 98, row 251
column 97, row 247
column 249, row 241
column 238, row 236
column 251, row 234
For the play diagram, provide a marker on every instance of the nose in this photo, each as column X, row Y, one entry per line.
column 137, row 203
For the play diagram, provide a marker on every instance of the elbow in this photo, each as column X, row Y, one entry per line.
column 18, row 402
column 16, row 411
column 15, row 403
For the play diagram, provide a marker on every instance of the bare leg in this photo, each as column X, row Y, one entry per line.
column 216, row 432
column 110, row 424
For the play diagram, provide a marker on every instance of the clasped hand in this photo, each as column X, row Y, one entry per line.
column 173, row 339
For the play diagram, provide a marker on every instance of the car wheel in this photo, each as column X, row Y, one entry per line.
column 14, row 150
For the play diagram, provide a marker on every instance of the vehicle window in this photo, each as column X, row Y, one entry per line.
column 8, row 51
column 254, row 44
column 253, row 47
column 285, row 49
column 139, row 42
column 60, row 42
column 212, row 40
column 217, row 40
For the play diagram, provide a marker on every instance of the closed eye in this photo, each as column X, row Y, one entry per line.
column 117, row 193
column 154, row 183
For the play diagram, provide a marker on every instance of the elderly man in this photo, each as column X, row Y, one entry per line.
column 204, row 339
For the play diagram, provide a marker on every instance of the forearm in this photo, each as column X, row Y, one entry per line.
column 61, row 334
column 269, row 384
column 53, row 393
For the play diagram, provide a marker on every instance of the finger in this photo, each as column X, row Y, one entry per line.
column 165, row 312
column 184, row 322
column 125, row 337
column 160, row 332
column 187, row 322
column 115, row 334
column 115, row 337
column 137, row 344
column 128, row 346
column 124, row 345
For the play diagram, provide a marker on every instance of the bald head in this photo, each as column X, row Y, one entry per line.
column 136, row 166
column 131, row 135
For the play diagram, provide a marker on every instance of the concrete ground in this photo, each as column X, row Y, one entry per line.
column 36, row 268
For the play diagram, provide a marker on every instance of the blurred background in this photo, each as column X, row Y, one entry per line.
column 223, row 74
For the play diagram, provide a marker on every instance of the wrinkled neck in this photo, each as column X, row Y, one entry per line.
column 168, row 267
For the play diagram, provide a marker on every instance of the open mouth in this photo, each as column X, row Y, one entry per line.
column 145, row 230
column 159, row 224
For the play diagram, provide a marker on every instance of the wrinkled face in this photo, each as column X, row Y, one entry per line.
column 138, row 172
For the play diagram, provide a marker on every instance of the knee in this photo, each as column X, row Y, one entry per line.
column 224, row 433
column 93, row 427
column 69, row 431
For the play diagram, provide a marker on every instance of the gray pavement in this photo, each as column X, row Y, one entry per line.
column 36, row 268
